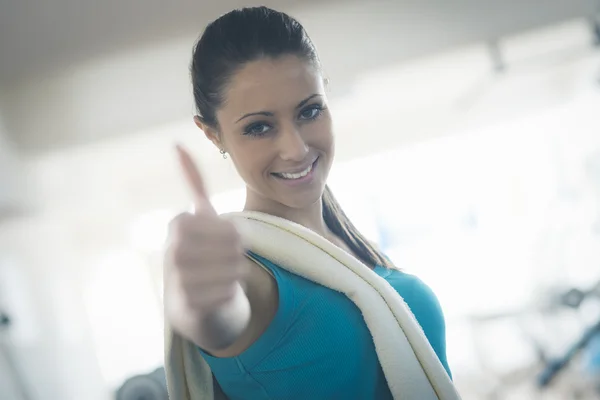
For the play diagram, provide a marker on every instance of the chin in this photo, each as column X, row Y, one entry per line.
column 302, row 202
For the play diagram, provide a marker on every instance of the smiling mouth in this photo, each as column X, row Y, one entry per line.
column 297, row 175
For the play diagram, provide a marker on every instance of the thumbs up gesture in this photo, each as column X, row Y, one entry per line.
column 204, row 268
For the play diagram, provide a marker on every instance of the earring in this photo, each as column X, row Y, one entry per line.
column 224, row 154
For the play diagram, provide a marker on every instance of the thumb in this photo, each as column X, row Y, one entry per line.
column 194, row 180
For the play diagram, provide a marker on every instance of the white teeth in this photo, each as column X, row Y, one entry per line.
column 297, row 175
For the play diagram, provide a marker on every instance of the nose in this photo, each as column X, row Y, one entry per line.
column 292, row 146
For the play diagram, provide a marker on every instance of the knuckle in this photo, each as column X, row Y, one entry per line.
column 231, row 232
column 178, row 219
column 179, row 224
column 187, row 288
column 189, row 301
column 178, row 256
column 235, row 254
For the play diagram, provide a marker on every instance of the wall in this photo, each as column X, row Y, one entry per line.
column 15, row 189
column 146, row 86
column 40, row 287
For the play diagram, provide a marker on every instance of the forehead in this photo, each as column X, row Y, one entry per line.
column 270, row 83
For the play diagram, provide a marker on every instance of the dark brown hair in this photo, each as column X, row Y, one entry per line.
column 245, row 35
column 341, row 226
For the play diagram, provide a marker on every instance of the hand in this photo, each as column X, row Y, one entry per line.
column 205, row 260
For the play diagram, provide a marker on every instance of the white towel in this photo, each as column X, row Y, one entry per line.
column 411, row 367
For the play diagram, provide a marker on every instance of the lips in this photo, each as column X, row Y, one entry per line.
column 297, row 173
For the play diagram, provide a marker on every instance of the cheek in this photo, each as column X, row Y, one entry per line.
column 250, row 159
column 323, row 137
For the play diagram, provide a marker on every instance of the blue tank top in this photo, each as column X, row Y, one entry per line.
column 318, row 345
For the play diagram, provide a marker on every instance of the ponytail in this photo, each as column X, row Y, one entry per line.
column 340, row 225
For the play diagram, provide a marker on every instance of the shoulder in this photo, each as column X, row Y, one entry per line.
column 419, row 297
column 409, row 286
column 425, row 306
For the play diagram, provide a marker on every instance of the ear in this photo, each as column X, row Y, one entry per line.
column 211, row 133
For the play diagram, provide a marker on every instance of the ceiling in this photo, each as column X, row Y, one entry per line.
column 45, row 35
column 47, row 103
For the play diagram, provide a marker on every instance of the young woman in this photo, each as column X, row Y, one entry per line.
column 267, row 333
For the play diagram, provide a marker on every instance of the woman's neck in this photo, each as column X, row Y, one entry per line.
column 310, row 217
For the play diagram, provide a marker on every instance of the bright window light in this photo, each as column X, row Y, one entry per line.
column 125, row 317
column 148, row 232
column 566, row 36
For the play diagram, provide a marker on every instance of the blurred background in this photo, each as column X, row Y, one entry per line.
column 468, row 148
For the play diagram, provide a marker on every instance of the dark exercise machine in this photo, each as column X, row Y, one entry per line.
column 553, row 367
column 152, row 386
column 9, row 360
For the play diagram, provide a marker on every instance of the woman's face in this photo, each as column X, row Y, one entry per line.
column 277, row 129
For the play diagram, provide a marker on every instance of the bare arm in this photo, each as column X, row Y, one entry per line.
column 230, row 329
column 205, row 263
column 219, row 329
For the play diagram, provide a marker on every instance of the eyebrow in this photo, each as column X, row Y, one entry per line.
column 270, row 114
